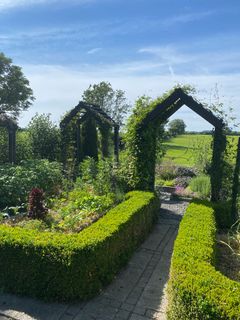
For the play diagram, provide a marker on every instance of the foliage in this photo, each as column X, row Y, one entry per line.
column 185, row 172
column 236, row 185
column 45, row 137
column 101, row 177
column 89, row 139
column 75, row 266
column 17, row 181
column 176, row 127
column 201, row 184
column 222, row 210
column 113, row 102
column 166, row 171
column 23, row 146
column 201, row 152
column 178, row 176
column 36, row 209
column 3, row 145
column 196, row 290
column 141, row 142
column 37, row 225
column 24, row 149
column 182, row 181
column 15, row 92
column 78, row 209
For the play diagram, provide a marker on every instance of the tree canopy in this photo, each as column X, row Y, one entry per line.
column 113, row 102
column 15, row 92
column 176, row 127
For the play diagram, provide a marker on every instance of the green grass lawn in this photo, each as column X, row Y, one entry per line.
column 182, row 149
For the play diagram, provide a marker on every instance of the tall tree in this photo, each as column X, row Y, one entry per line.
column 113, row 102
column 15, row 92
column 176, row 127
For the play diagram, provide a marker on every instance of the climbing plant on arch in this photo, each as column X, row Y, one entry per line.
column 73, row 133
column 11, row 126
column 142, row 140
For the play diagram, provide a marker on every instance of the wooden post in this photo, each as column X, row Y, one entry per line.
column 78, row 144
column 235, row 187
column 116, row 143
column 219, row 146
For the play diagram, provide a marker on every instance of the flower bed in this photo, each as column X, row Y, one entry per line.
column 75, row 266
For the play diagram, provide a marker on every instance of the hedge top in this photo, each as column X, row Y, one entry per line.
column 95, row 233
column 202, row 290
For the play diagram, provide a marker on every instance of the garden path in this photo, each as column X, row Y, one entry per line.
column 137, row 293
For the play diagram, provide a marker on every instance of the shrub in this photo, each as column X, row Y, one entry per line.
column 75, row 266
column 78, row 209
column 17, row 181
column 185, row 172
column 36, row 209
column 196, row 290
column 166, row 172
column 201, row 185
column 23, row 146
column 101, row 177
column 182, row 181
column 223, row 214
column 45, row 137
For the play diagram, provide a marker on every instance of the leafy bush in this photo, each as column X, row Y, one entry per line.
column 17, row 181
column 45, row 137
column 201, row 185
column 196, row 290
column 223, row 214
column 75, row 266
column 182, row 181
column 23, row 146
column 185, row 172
column 35, row 205
column 78, row 209
column 101, row 177
column 166, row 183
column 3, row 145
column 166, row 172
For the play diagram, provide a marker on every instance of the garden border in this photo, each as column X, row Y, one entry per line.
column 55, row 266
column 196, row 289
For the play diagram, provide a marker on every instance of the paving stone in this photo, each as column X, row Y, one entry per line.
column 138, row 317
column 127, row 306
column 140, row 310
column 123, row 314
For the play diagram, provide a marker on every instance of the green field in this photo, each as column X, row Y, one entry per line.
column 183, row 149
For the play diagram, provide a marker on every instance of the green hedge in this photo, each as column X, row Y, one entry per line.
column 196, row 289
column 55, row 266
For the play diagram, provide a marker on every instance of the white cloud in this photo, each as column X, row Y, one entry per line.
column 185, row 18
column 94, row 50
column 10, row 4
column 58, row 89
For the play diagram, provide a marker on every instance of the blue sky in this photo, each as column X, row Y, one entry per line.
column 142, row 47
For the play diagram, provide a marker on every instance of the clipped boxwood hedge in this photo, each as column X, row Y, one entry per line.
column 55, row 266
column 196, row 289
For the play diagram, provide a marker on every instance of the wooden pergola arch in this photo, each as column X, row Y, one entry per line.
column 11, row 127
column 79, row 114
column 167, row 108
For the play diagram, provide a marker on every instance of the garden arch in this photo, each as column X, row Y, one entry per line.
column 145, row 158
column 78, row 115
column 11, row 126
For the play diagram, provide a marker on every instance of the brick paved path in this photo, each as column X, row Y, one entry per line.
column 137, row 293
